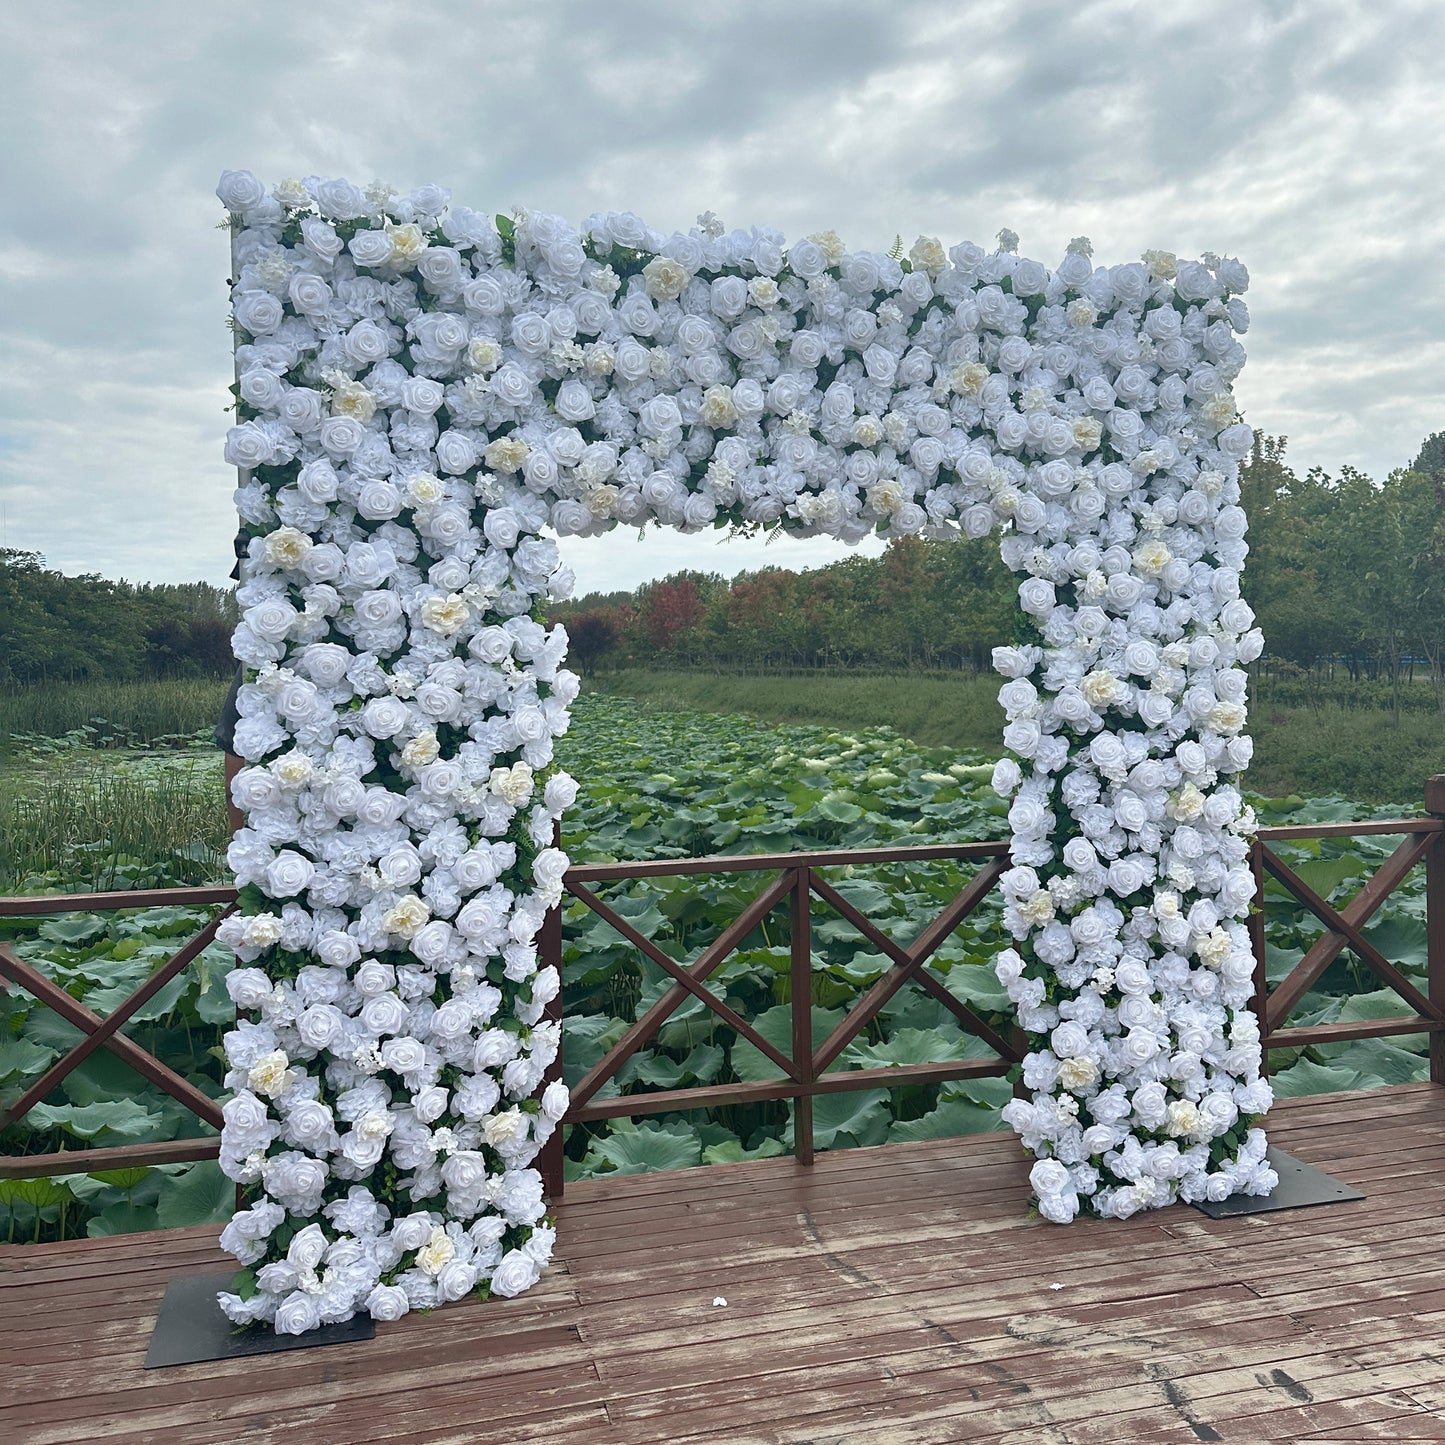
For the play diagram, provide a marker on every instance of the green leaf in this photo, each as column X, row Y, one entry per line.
column 732, row 1151
column 213, row 1004
column 123, row 1218
column 643, row 1150
column 100, row 1078
column 587, row 1038
column 701, row 1066
column 127, row 948
column 835, row 810
column 1324, row 875
column 105, row 1000
column 126, row 1179
column 869, row 898
column 950, row 1118
column 906, row 1046
column 776, row 1026
column 200, row 1195
column 977, row 985
column 856, row 968
column 990, row 1093
column 1402, row 940
column 116, row 1118
column 1382, row 1059
column 37, row 1193
column 1384, row 1003
column 51, row 1031
column 1307, row 1077
column 845, row 1121
column 166, row 921
column 1279, row 962
column 24, row 1058
column 73, row 928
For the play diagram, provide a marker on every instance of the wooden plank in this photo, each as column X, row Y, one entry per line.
column 120, row 1156
column 875, row 1298
column 1302, row 1034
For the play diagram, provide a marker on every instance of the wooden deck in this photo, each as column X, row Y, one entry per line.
column 886, row 1295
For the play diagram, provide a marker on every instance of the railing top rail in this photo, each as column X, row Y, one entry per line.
column 40, row 904
column 763, row 862
column 1350, row 830
column 29, row 905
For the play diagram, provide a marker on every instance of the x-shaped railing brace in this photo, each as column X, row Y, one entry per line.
column 908, row 963
column 1343, row 926
column 105, row 1032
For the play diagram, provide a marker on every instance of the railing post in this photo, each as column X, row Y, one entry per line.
column 1256, row 939
column 801, row 977
column 549, row 951
column 1435, row 920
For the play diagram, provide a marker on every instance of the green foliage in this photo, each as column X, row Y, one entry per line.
column 99, row 959
column 101, row 820
column 77, row 628
column 52, row 718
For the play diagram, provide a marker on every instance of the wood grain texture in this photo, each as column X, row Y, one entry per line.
column 890, row 1296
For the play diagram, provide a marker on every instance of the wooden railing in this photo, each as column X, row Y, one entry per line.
column 1423, row 841
column 105, row 1033
column 804, row 1071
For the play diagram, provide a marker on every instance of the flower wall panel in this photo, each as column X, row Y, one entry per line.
column 425, row 394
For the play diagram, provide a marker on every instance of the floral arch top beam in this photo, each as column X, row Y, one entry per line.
column 423, row 394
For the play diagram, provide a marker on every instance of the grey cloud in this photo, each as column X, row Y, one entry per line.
column 1304, row 137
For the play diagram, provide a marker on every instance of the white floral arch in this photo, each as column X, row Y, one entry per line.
column 424, row 391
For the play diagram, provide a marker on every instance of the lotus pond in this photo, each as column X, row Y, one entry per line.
column 654, row 785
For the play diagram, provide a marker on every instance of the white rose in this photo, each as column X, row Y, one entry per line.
column 406, row 917
column 387, row 1302
column 515, row 1274
column 664, row 278
column 240, row 191
column 270, row 1074
column 385, row 717
column 436, row 1252
column 288, row 874
column 297, row 1313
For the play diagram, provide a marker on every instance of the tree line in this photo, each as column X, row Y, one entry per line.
column 55, row 628
column 1346, row 574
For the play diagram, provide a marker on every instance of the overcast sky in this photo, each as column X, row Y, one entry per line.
column 1306, row 138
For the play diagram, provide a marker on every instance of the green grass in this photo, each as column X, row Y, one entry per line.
column 71, row 809
column 111, row 785
column 1309, row 749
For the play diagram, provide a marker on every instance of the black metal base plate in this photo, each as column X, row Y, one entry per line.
column 1300, row 1184
column 191, row 1328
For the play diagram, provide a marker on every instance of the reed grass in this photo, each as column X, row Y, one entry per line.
column 94, row 826
column 127, row 714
